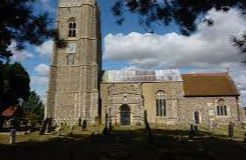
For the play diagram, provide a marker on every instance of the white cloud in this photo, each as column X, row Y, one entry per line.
column 39, row 84
column 209, row 49
column 19, row 55
column 39, row 80
column 42, row 69
column 46, row 48
column 209, row 45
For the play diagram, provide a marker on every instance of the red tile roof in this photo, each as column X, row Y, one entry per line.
column 210, row 84
column 10, row 111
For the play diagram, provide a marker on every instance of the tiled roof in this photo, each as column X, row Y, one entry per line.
column 10, row 111
column 215, row 84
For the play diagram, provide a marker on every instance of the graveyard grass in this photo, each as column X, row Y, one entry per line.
column 126, row 143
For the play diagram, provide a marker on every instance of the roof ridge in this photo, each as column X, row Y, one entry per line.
column 205, row 74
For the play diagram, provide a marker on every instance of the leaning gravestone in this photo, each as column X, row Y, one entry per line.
column 80, row 122
column 84, row 125
column 195, row 128
column 43, row 127
column 231, row 130
column 106, row 129
column 148, row 130
column 49, row 125
column 110, row 125
column 192, row 131
column 12, row 138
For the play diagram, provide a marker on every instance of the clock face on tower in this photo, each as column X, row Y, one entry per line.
column 71, row 48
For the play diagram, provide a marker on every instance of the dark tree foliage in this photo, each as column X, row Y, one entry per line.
column 240, row 42
column 184, row 13
column 33, row 108
column 15, row 84
column 18, row 22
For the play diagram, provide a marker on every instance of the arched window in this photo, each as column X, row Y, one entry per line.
column 72, row 28
column 221, row 108
column 160, row 104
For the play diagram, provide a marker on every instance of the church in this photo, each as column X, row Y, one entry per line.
column 80, row 89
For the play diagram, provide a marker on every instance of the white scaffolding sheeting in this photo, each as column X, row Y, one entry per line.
column 142, row 76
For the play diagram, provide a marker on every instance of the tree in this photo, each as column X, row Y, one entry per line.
column 33, row 108
column 184, row 13
column 20, row 23
column 240, row 42
column 15, row 84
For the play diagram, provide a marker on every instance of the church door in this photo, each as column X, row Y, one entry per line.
column 197, row 117
column 125, row 115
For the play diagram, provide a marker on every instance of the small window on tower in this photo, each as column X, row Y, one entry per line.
column 72, row 28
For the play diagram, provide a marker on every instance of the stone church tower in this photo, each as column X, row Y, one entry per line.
column 74, row 74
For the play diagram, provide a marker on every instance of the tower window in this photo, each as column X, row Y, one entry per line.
column 221, row 108
column 70, row 59
column 72, row 29
column 160, row 104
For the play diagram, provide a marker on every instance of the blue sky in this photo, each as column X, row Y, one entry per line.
column 130, row 47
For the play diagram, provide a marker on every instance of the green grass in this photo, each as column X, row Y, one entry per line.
column 125, row 143
column 4, row 139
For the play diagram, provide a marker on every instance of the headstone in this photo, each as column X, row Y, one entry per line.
column 110, row 125
column 106, row 130
column 195, row 128
column 148, row 130
column 12, row 139
column 191, row 133
column 46, row 126
column 43, row 127
column 49, row 124
column 231, row 130
column 84, row 125
column 80, row 122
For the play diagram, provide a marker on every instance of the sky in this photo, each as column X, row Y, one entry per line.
column 209, row 49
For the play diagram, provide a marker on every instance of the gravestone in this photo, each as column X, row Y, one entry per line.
column 192, row 131
column 195, row 128
column 49, row 124
column 84, row 125
column 12, row 138
column 106, row 130
column 110, row 125
column 43, row 127
column 46, row 126
column 148, row 130
column 231, row 130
